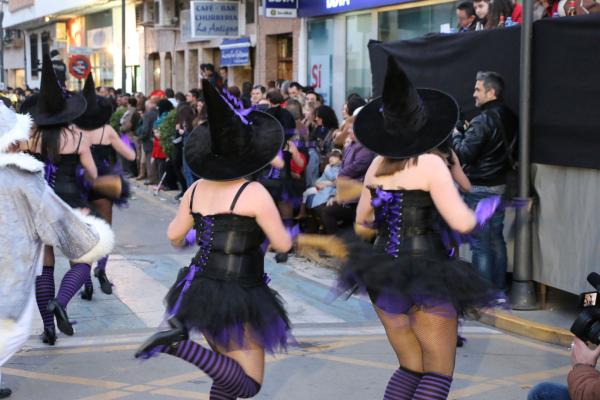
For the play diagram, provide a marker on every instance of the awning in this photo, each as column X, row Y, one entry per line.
column 235, row 52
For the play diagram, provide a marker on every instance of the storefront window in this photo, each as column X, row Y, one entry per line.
column 320, row 53
column 358, row 67
column 415, row 22
column 285, row 57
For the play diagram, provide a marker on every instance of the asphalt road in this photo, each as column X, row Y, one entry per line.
column 341, row 350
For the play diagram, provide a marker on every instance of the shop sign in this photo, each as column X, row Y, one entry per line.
column 213, row 19
column 79, row 66
column 281, row 8
column 235, row 52
column 320, row 76
column 314, row 8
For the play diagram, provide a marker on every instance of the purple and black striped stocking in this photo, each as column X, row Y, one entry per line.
column 433, row 387
column 227, row 375
column 44, row 292
column 402, row 385
column 88, row 284
column 72, row 282
column 219, row 393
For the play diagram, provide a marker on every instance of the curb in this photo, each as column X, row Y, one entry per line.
column 524, row 327
column 498, row 319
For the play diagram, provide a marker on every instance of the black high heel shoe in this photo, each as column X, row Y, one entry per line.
column 105, row 284
column 5, row 393
column 48, row 336
column 87, row 294
column 177, row 334
column 62, row 319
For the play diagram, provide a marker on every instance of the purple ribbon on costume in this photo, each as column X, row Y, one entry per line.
column 485, row 209
column 82, row 182
column 186, row 282
column 190, row 238
column 266, row 278
column 50, row 173
column 125, row 139
column 390, row 205
column 381, row 196
column 237, row 106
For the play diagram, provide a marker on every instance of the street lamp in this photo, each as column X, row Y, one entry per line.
column 2, row 3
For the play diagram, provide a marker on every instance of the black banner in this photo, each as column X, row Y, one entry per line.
column 565, row 101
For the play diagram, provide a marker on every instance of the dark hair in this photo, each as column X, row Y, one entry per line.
column 354, row 103
column 498, row 8
column 207, row 67
column 196, row 93
column 246, row 88
column 328, row 116
column 389, row 166
column 262, row 89
column 467, row 7
column 234, row 90
column 274, row 96
column 335, row 153
column 297, row 86
column 50, row 140
column 295, row 108
column 170, row 93
column 352, row 96
column 164, row 106
column 223, row 67
column 132, row 101
column 54, row 53
column 271, row 84
column 180, row 97
column 492, row 80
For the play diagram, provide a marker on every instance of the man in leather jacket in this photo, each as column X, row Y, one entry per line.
column 485, row 149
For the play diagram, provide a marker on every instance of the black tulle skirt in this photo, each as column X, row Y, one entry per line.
column 428, row 280
column 227, row 313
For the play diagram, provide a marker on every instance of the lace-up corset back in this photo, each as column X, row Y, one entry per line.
column 230, row 245
column 401, row 215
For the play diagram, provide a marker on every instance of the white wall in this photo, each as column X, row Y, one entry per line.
column 42, row 8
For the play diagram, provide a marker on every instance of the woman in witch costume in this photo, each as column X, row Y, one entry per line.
column 62, row 149
column 105, row 145
column 223, row 293
column 417, row 290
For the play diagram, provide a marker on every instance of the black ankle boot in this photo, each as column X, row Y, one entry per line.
column 281, row 257
column 87, row 293
column 48, row 336
column 5, row 393
column 105, row 284
column 62, row 319
column 177, row 334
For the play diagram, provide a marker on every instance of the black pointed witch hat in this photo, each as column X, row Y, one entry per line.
column 99, row 109
column 405, row 122
column 53, row 105
column 237, row 142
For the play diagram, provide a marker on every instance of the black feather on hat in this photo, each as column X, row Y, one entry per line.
column 99, row 109
column 236, row 142
column 405, row 122
column 54, row 106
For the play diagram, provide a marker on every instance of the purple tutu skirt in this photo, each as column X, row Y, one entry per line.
column 426, row 280
column 227, row 313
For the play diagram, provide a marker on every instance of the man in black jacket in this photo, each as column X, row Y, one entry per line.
column 485, row 149
column 147, row 139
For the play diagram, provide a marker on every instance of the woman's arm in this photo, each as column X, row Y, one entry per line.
column 445, row 196
column 278, row 162
column 364, row 210
column 120, row 147
column 183, row 221
column 458, row 174
column 268, row 218
column 296, row 156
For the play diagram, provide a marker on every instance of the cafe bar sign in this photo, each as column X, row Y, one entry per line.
column 215, row 19
column 315, row 8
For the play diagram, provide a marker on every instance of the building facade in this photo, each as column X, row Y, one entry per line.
column 88, row 27
column 336, row 59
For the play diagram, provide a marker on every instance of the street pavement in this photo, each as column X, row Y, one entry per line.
column 341, row 351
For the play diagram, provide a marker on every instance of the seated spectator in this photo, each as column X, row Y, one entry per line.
column 482, row 8
column 499, row 11
column 326, row 124
column 467, row 19
column 355, row 162
column 353, row 103
column 324, row 187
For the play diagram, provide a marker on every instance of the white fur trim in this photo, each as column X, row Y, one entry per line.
column 22, row 161
column 105, row 244
column 18, row 133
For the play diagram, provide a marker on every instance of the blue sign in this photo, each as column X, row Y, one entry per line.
column 235, row 52
column 211, row 19
column 315, row 8
column 281, row 8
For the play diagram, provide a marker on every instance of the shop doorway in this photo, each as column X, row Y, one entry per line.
column 285, row 57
